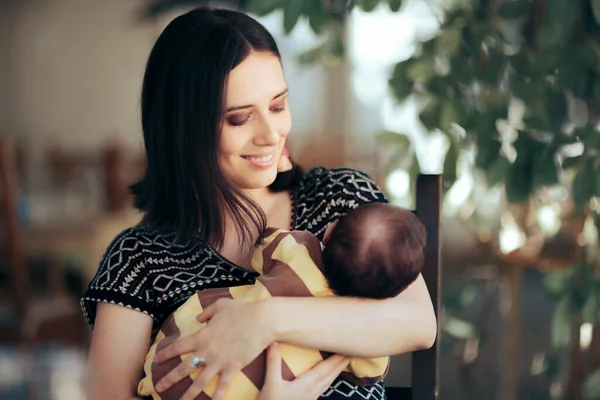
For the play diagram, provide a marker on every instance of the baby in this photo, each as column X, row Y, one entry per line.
column 375, row 251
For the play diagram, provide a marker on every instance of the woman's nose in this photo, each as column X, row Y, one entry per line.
column 267, row 134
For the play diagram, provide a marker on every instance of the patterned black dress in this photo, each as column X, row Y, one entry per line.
column 148, row 272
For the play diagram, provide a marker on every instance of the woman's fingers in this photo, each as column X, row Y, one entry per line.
column 207, row 314
column 185, row 368
column 324, row 373
column 338, row 365
column 203, row 378
column 273, row 363
column 178, row 347
column 225, row 381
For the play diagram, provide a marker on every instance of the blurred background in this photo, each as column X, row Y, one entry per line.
column 502, row 96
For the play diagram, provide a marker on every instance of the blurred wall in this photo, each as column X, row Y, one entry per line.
column 6, row 27
column 75, row 71
column 71, row 72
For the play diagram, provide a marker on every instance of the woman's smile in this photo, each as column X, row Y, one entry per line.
column 261, row 161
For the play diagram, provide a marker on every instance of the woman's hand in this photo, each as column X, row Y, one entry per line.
column 236, row 333
column 308, row 386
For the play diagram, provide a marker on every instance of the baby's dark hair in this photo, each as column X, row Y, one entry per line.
column 375, row 251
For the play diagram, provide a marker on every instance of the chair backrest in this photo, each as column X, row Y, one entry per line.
column 425, row 368
column 423, row 365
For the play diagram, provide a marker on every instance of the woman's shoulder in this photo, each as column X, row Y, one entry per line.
column 341, row 183
column 342, row 176
column 136, row 264
column 326, row 194
column 134, row 246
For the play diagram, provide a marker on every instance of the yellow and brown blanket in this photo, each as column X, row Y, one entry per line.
column 290, row 265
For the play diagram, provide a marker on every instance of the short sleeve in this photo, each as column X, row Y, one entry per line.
column 351, row 188
column 121, row 278
column 332, row 193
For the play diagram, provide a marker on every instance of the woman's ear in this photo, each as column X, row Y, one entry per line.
column 328, row 231
column 285, row 164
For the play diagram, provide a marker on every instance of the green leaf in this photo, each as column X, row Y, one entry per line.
column 596, row 9
column 597, row 191
column 583, row 186
column 448, row 41
column 572, row 162
column 459, row 329
column 586, row 52
column 263, row 7
column 395, row 5
column 414, row 171
column 553, row 368
column 511, row 9
column 582, row 286
column 491, row 68
column 589, row 313
column 591, row 386
column 550, row 36
column 420, row 70
column 596, row 92
column 545, row 171
column 572, row 76
column 292, row 10
column 415, row 167
column 467, row 296
column 449, row 115
column 487, row 153
column 590, row 137
column 334, row 51
column 401, row 86
column 518, row 182
column 450, row 163
column 458, row 300
column 318, row 18
column 562, row 12
column 520, row 174
column 536, row 120
column 555, row 106
column 557, row 282
column 545, row 61
column 389, row 138
column 311, row 56
column 496, row 172
column 430, row 116
column 368, row 5
column 560, row 328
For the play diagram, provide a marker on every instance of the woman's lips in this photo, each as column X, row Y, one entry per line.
column 261, row 161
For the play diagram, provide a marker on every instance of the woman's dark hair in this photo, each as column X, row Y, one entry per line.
column 183, row 92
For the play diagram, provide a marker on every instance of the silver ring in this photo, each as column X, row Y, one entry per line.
column 197, row 362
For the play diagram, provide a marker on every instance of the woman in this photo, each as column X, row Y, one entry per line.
column 215, row 119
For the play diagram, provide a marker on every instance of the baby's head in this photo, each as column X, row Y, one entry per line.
column 375, row 251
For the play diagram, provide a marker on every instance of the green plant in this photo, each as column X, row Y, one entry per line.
column 518, row 81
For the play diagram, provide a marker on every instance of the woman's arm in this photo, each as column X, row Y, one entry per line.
column 120, row 341
column 355, row 327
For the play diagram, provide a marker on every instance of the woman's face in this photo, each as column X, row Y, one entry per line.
column 257, row 121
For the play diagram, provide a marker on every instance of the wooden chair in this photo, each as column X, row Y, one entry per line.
column 424, row 364
column 33, row 319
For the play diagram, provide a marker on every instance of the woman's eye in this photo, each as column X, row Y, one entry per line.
column 238, row 121
column 277, row 109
